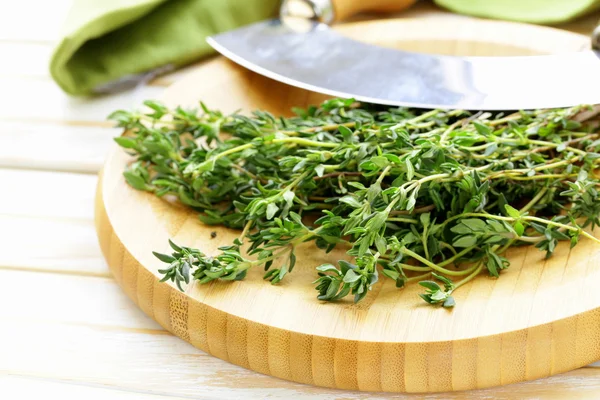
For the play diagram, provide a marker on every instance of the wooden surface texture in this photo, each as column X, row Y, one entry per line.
column 78, row 335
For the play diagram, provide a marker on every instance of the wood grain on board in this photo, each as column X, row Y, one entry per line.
column 513, row 329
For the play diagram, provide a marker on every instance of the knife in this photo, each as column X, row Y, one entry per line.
column 301, row 50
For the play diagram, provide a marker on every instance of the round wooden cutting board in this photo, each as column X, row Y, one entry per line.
column 542, row 317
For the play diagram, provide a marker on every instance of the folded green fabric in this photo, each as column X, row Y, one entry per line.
column 107, row 40
column 115, row 41
column 534, row 11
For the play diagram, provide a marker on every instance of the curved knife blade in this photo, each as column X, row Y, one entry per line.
column 324, row 61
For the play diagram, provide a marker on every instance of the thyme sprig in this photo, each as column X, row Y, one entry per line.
column 415, row 196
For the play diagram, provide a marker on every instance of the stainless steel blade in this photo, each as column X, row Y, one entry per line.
column 324, row 61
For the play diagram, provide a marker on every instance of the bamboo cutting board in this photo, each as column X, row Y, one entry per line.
column 542, row 317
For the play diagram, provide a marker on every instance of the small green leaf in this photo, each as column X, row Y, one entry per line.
column 519, row 228
column 159, row 109
column 512, row 212
column 431, row 285
column 494, row 239
column 135, row 181
column 174, row 246
column 449, row 302
column 270, row 275
column 360, row 295
column 206, row 166
column 326, row 268
column 410, row 238
column 272, row 209
column 351, row 276
column 289, row 196
column 482, row 129
column 425, row 219
column 320, row 169
column 490, row 150
column 496, row 225
column 283, row 271
column 164, row 257
column 394, row 275
column 461, row 229
column 465, row 241
column 345, row 266
column 438, row 296
column 412, row 201
column 410, row 170
column 426, row 297
column 332, row 289
column 574, row 241
column 381, row 245
column 187, row 198
column 345, row 132
column 126, row 142
column 492, row 266
column 474, row 224
column 381, row 162
column 448, row 284
column 393, row 158
column 351, row 201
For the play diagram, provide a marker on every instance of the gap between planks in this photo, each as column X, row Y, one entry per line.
column 54, row 147
column 48, row 222
column 48, row 194
column 57, row 270
column 53, row 246
column 80, row 302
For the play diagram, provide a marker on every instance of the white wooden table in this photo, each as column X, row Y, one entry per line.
column 66, row 329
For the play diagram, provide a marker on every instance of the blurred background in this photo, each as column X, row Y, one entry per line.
column 66, row 329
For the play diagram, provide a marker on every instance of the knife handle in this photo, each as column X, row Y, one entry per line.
column 328, row 11
column 343, row 9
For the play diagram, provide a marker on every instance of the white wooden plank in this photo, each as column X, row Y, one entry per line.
column 83, row 302
column 25, row 388
column 25, row 59
column 165, row 365
column 51, row 146
column 45, row 194
column 46, row 221
column 33, row 20
column 42, row 100
column 38, row 244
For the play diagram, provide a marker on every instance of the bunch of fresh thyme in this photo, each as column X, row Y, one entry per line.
column 418, row 196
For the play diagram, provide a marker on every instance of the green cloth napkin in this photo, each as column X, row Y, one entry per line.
column 534, row 11
column 107, row 42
